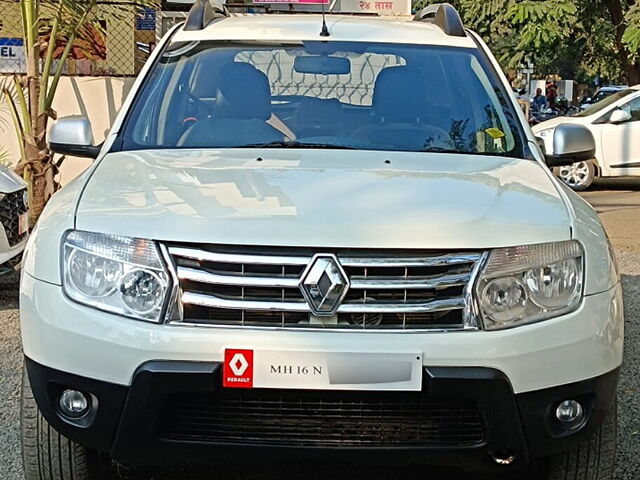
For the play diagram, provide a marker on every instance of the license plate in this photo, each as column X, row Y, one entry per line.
column 244, row 368
column 23, row 223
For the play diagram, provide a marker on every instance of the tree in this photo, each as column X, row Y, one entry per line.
column 51, row 30
column 576, row 38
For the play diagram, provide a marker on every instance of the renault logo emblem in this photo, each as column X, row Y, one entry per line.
column 324, row 284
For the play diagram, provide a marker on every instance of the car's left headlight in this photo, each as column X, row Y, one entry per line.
column 527, row 284
column 117, row 274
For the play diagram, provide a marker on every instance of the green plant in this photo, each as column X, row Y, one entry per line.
column 576, row 38
column 5, row 159
column 50, row 29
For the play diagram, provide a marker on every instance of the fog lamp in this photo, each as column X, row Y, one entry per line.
column 73, row 404
column 570, row 412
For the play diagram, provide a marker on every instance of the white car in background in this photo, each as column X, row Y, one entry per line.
column 615, row 125
column 14, row 217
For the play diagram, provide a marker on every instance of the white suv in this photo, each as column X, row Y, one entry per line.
column 615, row 125
column 339, row 243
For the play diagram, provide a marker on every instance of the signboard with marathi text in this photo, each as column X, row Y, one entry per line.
column 304, row 2
column 381, row 7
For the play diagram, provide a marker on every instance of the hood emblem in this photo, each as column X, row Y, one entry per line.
column 324, row 284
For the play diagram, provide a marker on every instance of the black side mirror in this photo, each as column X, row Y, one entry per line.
column 572, row 143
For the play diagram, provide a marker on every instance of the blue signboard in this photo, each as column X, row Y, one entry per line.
column 146, row 19
column 12, row 56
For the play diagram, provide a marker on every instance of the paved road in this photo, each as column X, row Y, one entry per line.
column 618, row 203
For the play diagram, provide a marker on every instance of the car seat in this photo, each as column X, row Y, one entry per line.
column 241, row 109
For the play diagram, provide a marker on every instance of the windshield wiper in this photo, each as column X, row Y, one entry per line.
column 462, row 152
column 294, row 144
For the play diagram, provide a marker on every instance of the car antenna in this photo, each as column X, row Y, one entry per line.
column 324, row 32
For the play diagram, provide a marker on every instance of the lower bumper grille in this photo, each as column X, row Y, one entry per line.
column 11, row 207
column 320, row 418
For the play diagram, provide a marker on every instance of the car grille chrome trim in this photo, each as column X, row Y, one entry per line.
column 357, row 283
column 217, row 302
column 224, row 286
column 238, row 258
column 266, row 259
column 236, row 280
column 433, row 282
column 435, row 261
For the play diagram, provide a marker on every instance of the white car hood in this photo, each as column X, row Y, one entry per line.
column 324, row 198
column 554, row 122
column 9, row 181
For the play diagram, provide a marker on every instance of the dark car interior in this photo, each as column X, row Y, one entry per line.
column 233, row 97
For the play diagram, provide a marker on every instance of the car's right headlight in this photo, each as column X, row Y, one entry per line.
column 526, row 284
column 117, row 274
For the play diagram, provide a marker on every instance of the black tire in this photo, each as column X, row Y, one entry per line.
column 593, row 459
column 48, row 455
column 578, row 176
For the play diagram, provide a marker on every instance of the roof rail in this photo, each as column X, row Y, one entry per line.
column 203, row 12
column 444, row 16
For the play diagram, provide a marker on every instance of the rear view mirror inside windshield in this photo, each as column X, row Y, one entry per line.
column 322, row 65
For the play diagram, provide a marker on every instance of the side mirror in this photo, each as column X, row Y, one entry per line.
column 571, row 143
column 619, row 116
column 72, row 136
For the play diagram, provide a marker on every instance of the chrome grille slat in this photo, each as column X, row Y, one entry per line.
column 434, row 306
column 412, row 283
column 236, row 280
column 237, row 258
column 217, row 302
column 402, row 262
column 346, row 261
column 254, row 287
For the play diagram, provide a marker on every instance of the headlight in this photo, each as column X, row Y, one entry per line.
column 117, row 274
column 520, row 285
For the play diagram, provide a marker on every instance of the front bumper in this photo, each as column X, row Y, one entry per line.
column 64, row 335
column 9, row 253
column 157, row 387
column 175, row 411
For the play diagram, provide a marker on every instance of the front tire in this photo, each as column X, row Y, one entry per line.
column 593, row 459
column 49, row 455
column 577, row 176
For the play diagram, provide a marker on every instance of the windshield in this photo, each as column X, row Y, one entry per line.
column 602, row 104
column 350, row 95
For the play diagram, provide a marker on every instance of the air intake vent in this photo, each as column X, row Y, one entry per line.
column 11, row 207
column 320, row 418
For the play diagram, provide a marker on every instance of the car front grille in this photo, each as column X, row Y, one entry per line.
column 319, row 418
column 259, row 287
column 11, row 207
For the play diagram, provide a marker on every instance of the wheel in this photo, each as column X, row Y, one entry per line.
column 48, row 455
column 578, row 176
column 593, row 459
